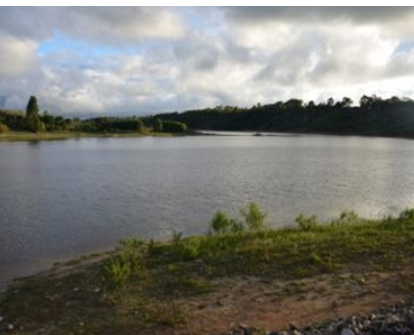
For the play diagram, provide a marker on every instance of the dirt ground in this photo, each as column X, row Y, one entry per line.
column 273, row 305
column 270, row 305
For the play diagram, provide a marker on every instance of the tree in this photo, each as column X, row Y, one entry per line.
column 32, row 120
column 330, row 102
column 32, row 108
column 346, row 102
column 294, row 104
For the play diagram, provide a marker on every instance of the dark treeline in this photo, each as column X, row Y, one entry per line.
column 373, row 116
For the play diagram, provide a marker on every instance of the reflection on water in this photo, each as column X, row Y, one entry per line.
column 65, row 198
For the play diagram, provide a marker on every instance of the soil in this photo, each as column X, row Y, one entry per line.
column 273, row 305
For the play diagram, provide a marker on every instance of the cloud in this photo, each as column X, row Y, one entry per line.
column 311, row 15
column 111, row 25
column 87, row 61
column 17, row 56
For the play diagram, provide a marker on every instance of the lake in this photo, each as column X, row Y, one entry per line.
column 61, row 199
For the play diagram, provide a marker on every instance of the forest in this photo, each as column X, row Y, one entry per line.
column 373, row 116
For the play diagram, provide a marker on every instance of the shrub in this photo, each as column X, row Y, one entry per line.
column 116, row 271
column 3, row 128
column 221, row 224
column 306, row 223
column 407, row 215
column 253, row 216
column 129, row 261
column 347, row 217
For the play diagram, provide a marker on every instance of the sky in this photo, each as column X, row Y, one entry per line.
column 86, row 61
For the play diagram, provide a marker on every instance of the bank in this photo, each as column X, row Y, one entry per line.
column 257, row 278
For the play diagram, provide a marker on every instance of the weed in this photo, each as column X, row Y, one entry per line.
column 306, row 223
column 254, row 216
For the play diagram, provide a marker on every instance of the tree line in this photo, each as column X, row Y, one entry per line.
column 373, row 116
column 33, row 121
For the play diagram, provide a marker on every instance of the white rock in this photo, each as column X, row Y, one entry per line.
column 1, row 319
column 10, row 327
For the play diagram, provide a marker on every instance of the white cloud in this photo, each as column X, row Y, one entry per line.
column 148, row 60
column 17, row 56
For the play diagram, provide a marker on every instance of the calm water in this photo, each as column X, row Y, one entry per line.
column 65, row 198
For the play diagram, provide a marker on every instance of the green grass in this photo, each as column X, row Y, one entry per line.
column 138, row 285
column 49, row 136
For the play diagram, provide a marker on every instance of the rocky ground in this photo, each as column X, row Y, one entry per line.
column 395, row 320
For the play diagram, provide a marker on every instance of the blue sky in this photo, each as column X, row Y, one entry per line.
column 143, row 60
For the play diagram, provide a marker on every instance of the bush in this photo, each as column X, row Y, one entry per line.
column 3, row 128
column 407, row 215
column 221, row 224
column 253, row 216
column 169, row 126
column 347, row 217
column 306, row 223
column 127, row 262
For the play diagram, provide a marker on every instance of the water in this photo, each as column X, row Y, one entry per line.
column 62, row 199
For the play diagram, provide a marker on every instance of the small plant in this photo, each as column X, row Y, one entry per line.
column 347, row 217
column 253, row 216
column 221, row 223
column 306, row 223
column 176, row 237
column 116, row 272
column 127, row 262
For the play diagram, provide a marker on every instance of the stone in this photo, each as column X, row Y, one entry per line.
column 293, row 326
column 1, row 319
column 10, row 327
column 347, row 331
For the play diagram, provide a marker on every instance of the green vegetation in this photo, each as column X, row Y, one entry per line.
column 160, row 125
column 32, row 125
column 253, row 216
column 32, row 122
column 374, row 116
column 3, row 128
column 140, row 285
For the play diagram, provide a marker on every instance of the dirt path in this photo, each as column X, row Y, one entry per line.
column 272, row 305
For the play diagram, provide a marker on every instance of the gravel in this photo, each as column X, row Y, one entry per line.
column 395, row 320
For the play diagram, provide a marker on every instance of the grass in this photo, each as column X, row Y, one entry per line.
column 138, row 286
column 28, row 136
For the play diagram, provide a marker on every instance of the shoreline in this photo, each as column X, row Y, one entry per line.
column 13, row 136
column 34, row 137
column 264, row 279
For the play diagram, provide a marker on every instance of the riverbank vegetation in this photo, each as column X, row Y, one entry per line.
column 33, row 125
column 373, row 116
column 150, row 287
